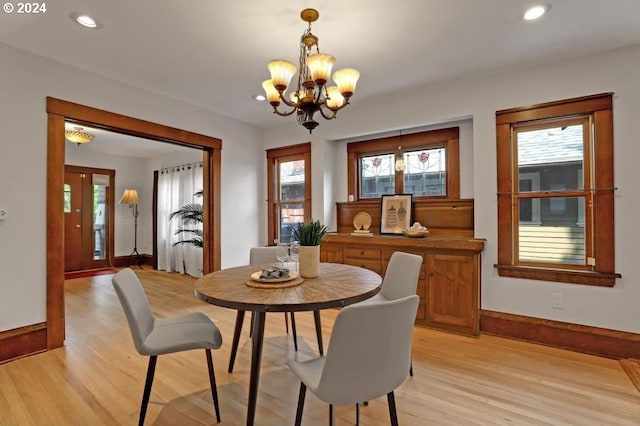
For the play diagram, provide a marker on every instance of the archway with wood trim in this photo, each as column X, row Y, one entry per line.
column 57, row 112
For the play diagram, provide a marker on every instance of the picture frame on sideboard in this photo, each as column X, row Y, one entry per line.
column 396, row 213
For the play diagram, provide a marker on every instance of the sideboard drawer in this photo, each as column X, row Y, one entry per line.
column 362, row 253
column 372, row 265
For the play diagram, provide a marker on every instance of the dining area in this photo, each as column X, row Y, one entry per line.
column 98, row 377
column 368, row 351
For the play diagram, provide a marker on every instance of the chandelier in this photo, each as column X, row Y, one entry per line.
column 311, row 94
column 78, row 136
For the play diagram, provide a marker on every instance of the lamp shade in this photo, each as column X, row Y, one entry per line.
column 320, row 65
column 281, row 73
column 334, row 98
column 346, row 80
column 271, row 92
column 130, row 196
column 78, row 136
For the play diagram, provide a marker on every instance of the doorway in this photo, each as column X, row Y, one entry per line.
column 88, row 218
column 57, row 112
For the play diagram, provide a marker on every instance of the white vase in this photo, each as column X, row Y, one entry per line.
column 309, row 260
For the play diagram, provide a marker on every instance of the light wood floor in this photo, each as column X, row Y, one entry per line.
column 97, row 378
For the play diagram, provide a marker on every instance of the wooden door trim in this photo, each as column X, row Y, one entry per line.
column 57, row 112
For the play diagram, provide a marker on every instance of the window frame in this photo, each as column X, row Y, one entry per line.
column 275, row 157
column 397, row 145
column 599, row 187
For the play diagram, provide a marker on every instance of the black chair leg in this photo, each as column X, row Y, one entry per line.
column 286, row 322
column 301, row 395
column 316, row 319
column 212, row 381
column 236, row 338
column 392, row 409
column 357, row 414
column 293, row 330
column 411, row 369
column 332, row 416
column 147, row 388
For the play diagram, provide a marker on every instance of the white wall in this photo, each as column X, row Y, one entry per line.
column 479, row 98
column 25, row 82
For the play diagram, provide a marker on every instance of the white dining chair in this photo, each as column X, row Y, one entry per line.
column 400, row 280
column 368, row 356
column 159, row 336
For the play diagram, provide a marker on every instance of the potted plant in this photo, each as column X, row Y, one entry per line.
column 309, row 235
column 190, row 214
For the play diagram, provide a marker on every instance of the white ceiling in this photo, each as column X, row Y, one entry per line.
column 214, row 53
column 112, row 143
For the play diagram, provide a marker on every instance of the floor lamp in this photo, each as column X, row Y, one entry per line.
column 130, row 197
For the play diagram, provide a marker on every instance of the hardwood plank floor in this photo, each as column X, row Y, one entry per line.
column 97, row 377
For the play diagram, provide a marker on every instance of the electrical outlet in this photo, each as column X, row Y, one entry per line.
column 556, row 300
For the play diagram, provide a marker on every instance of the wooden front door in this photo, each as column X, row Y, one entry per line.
column 72, row 221
column 88, row 236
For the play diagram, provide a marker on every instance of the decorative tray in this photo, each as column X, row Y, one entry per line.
column 415, row 234
column 257, row 276
column 258, row 281
column 273, row 285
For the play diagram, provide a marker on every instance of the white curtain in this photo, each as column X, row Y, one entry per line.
column 177, row 187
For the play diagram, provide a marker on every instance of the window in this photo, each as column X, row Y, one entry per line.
column 555, row 191
column 67, row 198
column 423, row 164
column 289, row 190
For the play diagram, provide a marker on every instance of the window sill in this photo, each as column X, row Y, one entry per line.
column 602, row 279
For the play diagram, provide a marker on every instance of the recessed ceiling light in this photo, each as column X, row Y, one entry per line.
column 535, row 12
column 260, row 98
column 85, row 20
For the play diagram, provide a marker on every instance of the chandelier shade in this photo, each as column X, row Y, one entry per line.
column 281, row 73
column 346, row 80
column 311, row 93
column 78, row 136
column 320, row 65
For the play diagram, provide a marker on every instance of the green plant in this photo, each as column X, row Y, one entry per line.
column 189, row 214
column 309, row 234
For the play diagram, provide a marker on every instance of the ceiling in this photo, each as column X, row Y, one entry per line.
column 108, row 142
column 213, row 54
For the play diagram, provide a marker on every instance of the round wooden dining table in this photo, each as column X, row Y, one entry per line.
column 337, row 285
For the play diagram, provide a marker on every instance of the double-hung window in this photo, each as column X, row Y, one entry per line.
column 289, row 190
column 555, row 191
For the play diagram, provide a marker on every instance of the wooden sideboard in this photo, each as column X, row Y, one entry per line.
column 449, row 283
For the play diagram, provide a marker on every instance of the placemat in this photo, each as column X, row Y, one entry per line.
column 292, row 283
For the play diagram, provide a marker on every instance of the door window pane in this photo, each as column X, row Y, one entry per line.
column 99, row 221
column 425, row 172
column 67, row 198
column 377, row 176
